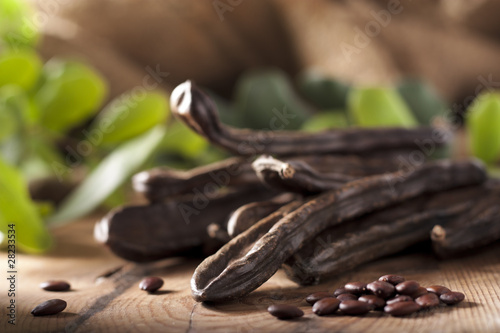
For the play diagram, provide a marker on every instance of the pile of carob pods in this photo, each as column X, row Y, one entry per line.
column 314, row 204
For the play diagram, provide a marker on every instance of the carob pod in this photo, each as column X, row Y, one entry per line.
column 477, row 227
column 199, row 112
column 161, row 183
column 161, row 230
column 250, row 259
column 349, row 245
column 249, row 214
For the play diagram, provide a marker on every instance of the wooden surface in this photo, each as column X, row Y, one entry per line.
column 115, row 303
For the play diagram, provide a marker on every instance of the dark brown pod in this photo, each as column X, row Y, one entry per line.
column 55, row 285
column 285, row 311
column 50, row 307
column 326, row 306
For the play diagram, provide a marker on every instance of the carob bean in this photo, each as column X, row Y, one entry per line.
column 326, row 306
column 199, row 112
column 50, row 307
column 349, row 245
column 355, row 308
column 340, row 291
column 157, row 231
column 313, row 298
column 249, row 214
column 217, row 232
column 356, row 287
column 226, row 274
column 376, row 301
column 346, row 297
column 400, row 298
column 428, row 300
column 477, row 227
column 151, row 284
column 161, row 183
column 438, row 290
column 55, row 285
column 408, row 287
column 381, row 289
column 452, row 298
column 420, row 292
column 285, row 311
column 401, row 308
column 392, row 279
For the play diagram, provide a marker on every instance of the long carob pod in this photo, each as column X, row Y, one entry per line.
column 161, row 230
column 199, row 112
column 477, row 227
column 249, row 214
column 161, row 183
column 251, row 258
column 384, row 232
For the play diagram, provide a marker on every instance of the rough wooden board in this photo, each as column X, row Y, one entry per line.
column 115, row 304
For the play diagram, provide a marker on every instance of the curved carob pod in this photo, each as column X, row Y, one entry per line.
column 246, row 216
column 161, row 183
column 372, row 236
column 477, row 227
column 199, row 112
column 175, row 227
column 251, row 258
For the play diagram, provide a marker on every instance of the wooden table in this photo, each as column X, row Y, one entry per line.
column 105, row 296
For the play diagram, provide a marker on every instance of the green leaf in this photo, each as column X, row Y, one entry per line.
column 8, row 123
column 21, row 68
column 127, row 117
column 17, row 208
column 326, row 120
column 182, row 141
column 263, row 98
column 17, row 101
column 379, row 107
column 113, row 171
column 16, row 24
column 423, row 101
column 324, row 92
column 71, row 93
column 483, row 123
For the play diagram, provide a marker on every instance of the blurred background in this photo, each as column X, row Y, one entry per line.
column 84, row 85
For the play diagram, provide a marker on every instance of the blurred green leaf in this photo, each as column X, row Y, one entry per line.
column 227, row 113
column 16, row 100
column 21, row 68
column 113, row 171
column 127, row 117
column 423, row 101
column 379, row 107
column 182, row 141
column 70, row 94
column 483, row 123
column 8, row 123
column 17, row 28
column 39, row 161
column 324, row 92
column 17, row 208
column 326, row 120
column 266, row 100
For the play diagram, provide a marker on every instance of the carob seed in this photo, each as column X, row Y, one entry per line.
column 401, row 308
column 438, row 290
column 313, row 298
column 420, row 292
column 49, row 307
column 400, row 298
column 355, row 308
column 381, row 289
column 356, row 288
column 55, row 285
column 407, row 287
column 326, row 306
column 428, row 300
column 452, row 298
column 151, row 284
column 347, row 297
column 392, row 279
column 340, row 291
column 285, row 311
column 376, row 301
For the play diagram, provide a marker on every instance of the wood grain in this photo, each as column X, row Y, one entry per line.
column 115, row 303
